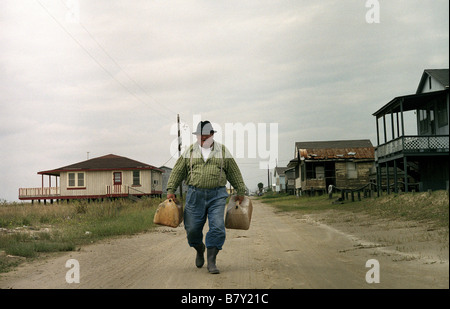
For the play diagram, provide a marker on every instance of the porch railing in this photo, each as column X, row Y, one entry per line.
column 39, row 192
column 116, row 189
column 413, row 144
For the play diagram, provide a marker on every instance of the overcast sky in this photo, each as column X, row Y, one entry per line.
column 111, row 76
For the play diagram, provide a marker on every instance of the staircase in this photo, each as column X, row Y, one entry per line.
column 132, row 197
column 133, row 194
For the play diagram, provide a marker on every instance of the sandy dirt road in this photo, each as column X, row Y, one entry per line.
column 279, row 251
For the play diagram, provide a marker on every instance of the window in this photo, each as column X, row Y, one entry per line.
column 315, row 170
column 423, row 121
column 136, row 178
column 310, row 171
column 320, row 172
column 442, row 115
column 80, row 179
column 75, row 180
column 351, row 170
column 71, row 180
column 117, row 177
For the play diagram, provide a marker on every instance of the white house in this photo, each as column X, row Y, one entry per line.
column 108, row 176
column 279, row 177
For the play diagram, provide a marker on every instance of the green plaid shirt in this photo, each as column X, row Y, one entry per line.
column 219, row 168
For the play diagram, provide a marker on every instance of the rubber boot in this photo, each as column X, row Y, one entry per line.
column 200, row 258
column 211, row 256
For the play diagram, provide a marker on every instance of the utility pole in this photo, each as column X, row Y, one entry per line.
column 179, row 151
column 268, row 178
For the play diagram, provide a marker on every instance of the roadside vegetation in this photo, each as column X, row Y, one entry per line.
column 27, row 231
column 430, row 207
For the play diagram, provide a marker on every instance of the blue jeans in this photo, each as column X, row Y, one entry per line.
column 202, row 204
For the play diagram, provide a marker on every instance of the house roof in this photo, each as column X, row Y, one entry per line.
column 415, row 101
column 104, row 163
column 409, row 102
column 280, row 170
column 441, row 75
column 342, row 149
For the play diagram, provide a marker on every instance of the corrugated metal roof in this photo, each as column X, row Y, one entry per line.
column 323, row 150
column 334, row 144
column 338, row 153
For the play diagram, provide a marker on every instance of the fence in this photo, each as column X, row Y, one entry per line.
column 368, row 190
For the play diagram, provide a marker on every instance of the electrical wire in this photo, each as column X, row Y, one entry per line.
column 100, row 64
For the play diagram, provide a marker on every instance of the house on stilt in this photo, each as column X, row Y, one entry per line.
column 109, row 176
column 413, row 137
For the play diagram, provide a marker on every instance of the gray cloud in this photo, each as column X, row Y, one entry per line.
column 114, row 82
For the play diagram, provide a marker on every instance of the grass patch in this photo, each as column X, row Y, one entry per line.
column 27, row 230
column 429, row 207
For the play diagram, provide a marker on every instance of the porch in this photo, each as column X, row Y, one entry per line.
column 54, row 193
column 412, row 145
column 413, row 161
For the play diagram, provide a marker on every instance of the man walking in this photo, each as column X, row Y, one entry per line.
column 206, row 166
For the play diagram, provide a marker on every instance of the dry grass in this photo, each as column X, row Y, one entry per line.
column 28, row 230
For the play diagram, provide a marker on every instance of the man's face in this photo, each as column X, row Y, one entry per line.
column 205, row 140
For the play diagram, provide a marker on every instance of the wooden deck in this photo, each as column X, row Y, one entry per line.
column 54, row 193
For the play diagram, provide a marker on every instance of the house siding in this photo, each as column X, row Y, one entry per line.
column 96, row 182
column 94, row 178
column 435, row 85
column 363, row 175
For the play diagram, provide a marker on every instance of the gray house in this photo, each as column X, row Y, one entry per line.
column 165, row 180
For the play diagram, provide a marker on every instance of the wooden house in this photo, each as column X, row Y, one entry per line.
column 344, row 164
column 415, row 161
column 109, row 176
column 289, row 174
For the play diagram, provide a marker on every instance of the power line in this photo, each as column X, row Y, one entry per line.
column 98, row 62
column 169, row 159
column 117, row 64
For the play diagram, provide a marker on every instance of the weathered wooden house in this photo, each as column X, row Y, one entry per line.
column 109, row 176
column 289, row 174
column 345, row 164
column 415, row 161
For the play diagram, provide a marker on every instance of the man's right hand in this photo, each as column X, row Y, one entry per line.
column 172, row 196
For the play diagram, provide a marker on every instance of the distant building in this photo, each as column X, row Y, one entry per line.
column 345, row 164
column 280, row 179
column 165, row 180
column 289, row 174
column 108, row 176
